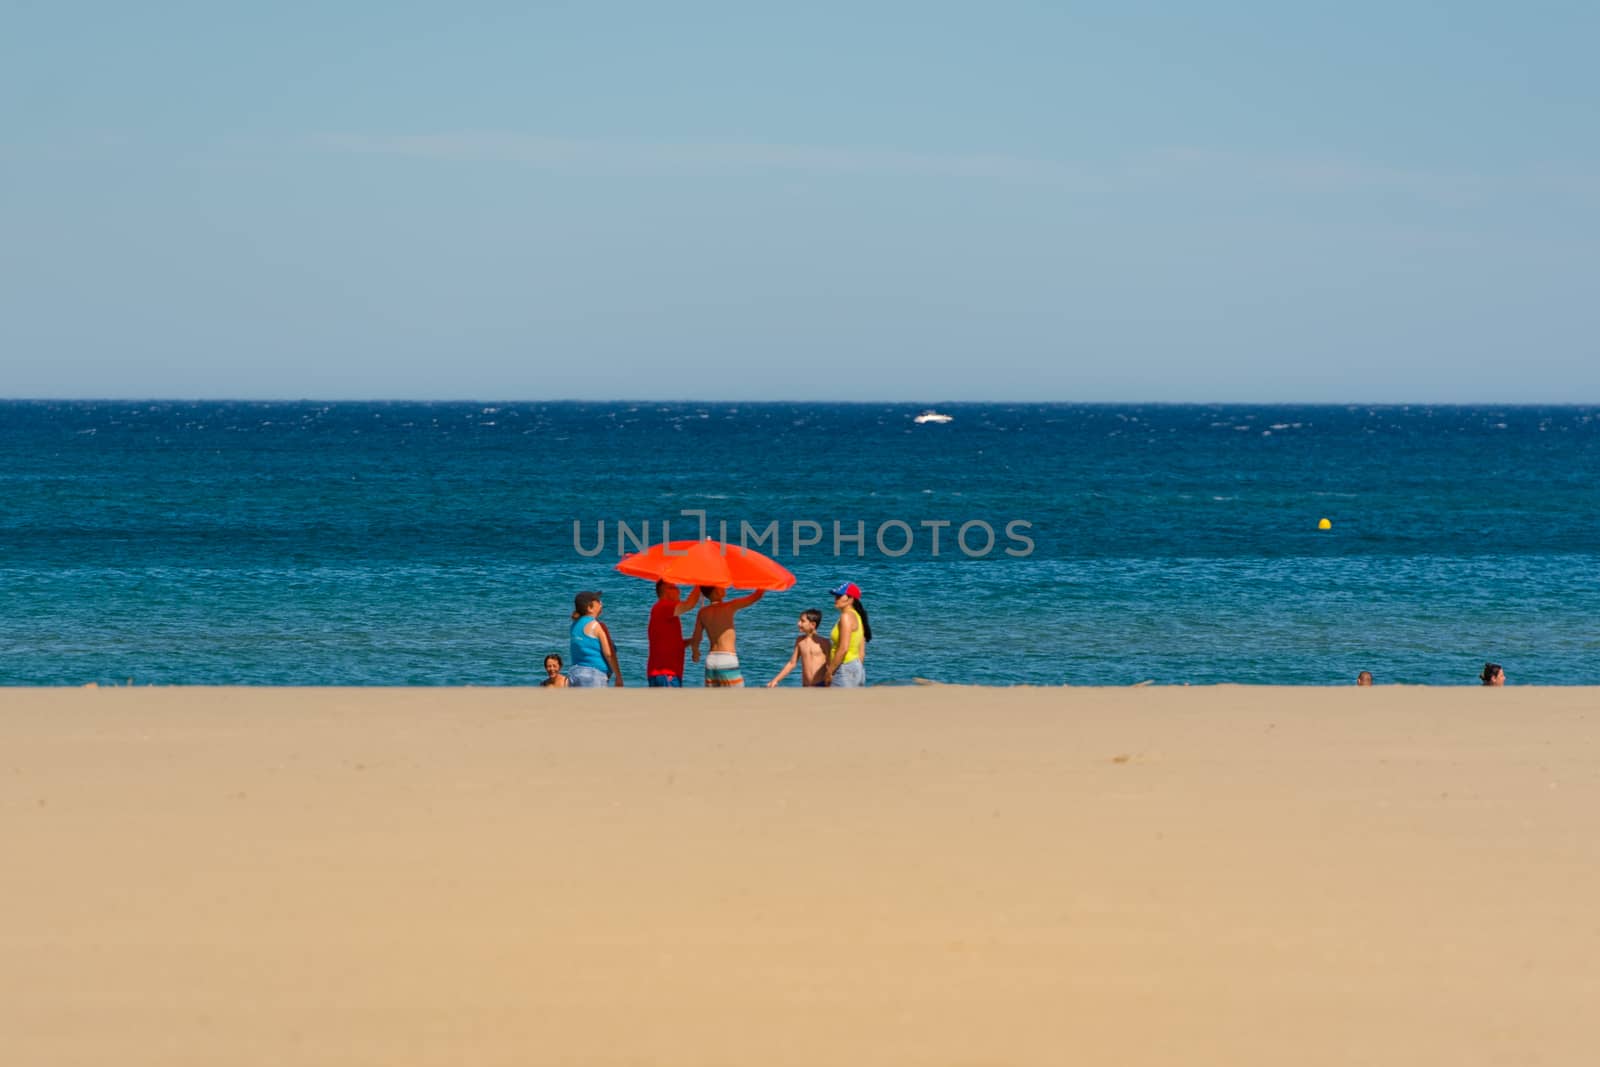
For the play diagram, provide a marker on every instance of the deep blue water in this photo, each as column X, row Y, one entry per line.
column 417, row 544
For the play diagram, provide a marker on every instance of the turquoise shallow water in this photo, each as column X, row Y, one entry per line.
column 434, row 544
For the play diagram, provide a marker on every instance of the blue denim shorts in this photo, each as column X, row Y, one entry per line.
column 587, row 678
column 660, row 681
column 850, row 675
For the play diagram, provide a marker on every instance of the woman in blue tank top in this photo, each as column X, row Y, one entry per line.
column 593, row 656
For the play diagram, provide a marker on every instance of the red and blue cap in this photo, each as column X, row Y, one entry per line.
column 849, row 589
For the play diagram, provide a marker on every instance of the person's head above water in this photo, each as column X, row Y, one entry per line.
column 1493, row 674
column 1364, row 678
column 552, row 664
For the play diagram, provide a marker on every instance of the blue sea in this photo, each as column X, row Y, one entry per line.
column 441, row 544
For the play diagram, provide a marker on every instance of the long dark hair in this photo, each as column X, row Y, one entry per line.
column 861, row 610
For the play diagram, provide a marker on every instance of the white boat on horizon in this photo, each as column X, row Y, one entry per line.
column 932, row 416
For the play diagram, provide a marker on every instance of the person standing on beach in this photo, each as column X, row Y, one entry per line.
column 593, row 656
column 847, row 662
column 664, row 668
column 715, row 620
column 810, row 652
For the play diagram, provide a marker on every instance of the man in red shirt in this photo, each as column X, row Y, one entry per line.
column 665, row 665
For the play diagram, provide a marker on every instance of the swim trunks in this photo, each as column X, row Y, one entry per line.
column 722, row 669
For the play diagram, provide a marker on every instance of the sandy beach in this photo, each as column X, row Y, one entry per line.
column 891, row 876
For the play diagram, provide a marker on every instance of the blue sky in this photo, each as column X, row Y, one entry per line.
column 1228, row 201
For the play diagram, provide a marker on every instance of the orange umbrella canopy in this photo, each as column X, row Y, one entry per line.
column 708, row 563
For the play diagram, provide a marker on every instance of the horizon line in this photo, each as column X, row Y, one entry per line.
column 1215, row 402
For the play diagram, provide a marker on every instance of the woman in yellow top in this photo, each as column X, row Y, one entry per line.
column 846, row 663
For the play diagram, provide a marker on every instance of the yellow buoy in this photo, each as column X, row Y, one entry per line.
column 1324, row 525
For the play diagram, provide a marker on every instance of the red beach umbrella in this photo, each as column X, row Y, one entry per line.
column 708, row 563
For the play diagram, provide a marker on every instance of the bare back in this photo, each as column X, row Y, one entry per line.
column 717, row 619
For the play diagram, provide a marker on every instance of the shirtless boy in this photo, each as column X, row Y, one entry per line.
column 810, row 651
column 715, row 620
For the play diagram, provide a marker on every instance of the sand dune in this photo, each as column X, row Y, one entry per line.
column 928, row 875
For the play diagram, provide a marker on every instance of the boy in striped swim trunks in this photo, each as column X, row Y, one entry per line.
column 715, row 620
column 722, row 669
